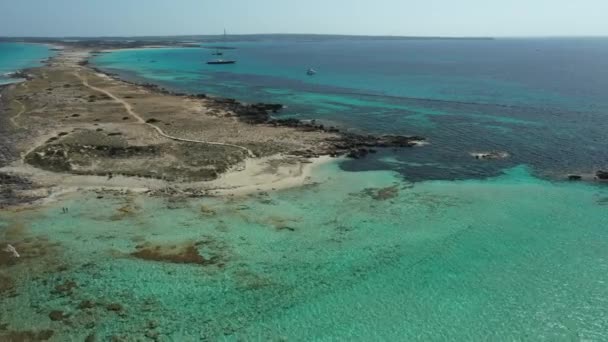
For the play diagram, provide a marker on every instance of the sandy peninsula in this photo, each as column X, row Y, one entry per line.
column 74, row 127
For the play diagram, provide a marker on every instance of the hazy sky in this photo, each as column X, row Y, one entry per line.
column 366, row 17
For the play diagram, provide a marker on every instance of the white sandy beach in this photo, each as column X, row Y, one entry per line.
column 255, row 175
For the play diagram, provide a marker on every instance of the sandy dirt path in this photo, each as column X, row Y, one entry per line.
column 131, row 112
column 14, row 118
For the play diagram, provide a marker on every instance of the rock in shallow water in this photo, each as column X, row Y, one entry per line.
column 57, row 315
column 490, row 155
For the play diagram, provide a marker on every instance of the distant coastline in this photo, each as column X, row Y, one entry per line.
column 241, row 36
column 187, row 40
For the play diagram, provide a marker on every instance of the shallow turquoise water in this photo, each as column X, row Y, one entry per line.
column 507, row 258
column 17, row 56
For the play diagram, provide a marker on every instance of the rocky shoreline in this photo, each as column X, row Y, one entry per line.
column 348, row 144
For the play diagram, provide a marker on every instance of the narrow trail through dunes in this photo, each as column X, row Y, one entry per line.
column 14, row 118
column 131, row 112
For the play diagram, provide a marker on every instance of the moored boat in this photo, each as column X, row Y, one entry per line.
column 221, row 61
column 219, row 53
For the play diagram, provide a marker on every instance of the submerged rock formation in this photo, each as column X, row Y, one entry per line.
column 382, row 194
column 180, row 254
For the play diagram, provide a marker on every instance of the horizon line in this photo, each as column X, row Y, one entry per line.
column 302, row 34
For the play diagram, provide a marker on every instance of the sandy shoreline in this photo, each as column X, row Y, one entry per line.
column 258, row 175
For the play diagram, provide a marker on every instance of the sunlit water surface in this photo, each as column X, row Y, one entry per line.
column 358, row 256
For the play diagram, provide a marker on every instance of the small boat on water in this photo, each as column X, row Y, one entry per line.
column 221, row 61
column 311, row 72
column 219, row 53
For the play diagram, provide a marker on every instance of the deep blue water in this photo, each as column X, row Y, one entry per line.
column 542, row 100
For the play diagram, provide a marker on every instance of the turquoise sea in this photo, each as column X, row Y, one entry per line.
column 425, row 244
column 17, row 56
